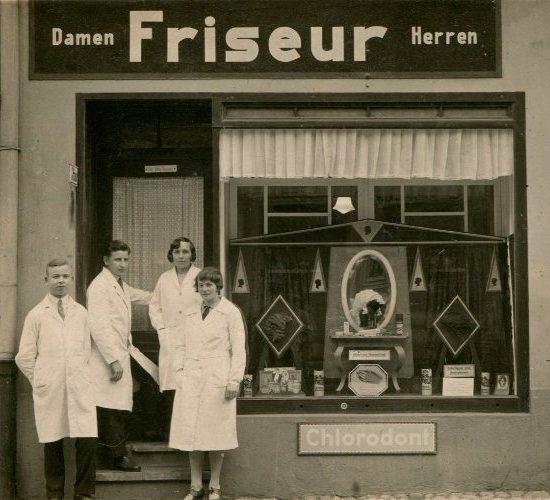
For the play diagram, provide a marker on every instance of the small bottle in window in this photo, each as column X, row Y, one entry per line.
column 399, row 324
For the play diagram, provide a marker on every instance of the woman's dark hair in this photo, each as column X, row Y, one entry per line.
column 116, row 246
column 210, row 274
column 176, row 244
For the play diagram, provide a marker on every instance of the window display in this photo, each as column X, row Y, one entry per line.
column 371, row 332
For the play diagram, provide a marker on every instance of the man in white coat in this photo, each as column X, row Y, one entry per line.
column 54, row 353
column 110, row 318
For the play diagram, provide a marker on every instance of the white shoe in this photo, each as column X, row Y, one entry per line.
column 215, row 494
column 194, row 494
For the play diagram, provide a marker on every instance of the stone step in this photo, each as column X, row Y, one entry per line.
column 157, row 454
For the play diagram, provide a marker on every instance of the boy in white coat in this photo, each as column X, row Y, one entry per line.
column 110, row 319
column 53, row 354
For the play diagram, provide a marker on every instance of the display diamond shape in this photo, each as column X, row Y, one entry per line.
column 279, row 325
column 456, row 325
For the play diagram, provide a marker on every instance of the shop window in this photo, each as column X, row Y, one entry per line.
column 409, row 304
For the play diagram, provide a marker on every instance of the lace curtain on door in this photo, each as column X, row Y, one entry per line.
column 148, row 214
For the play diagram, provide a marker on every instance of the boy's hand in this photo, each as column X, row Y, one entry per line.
column 116, row 371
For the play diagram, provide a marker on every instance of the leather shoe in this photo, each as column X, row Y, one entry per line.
column 126, row 464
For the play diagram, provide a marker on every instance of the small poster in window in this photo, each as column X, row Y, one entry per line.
column 502, row 384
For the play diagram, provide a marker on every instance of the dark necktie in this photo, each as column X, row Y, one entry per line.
column 205, row 311
column 119, row 281
column 60, row 309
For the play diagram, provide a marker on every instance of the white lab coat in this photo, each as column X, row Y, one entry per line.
column 110, row 320
column 210, row 356
column 54, row 356
column 169, row 301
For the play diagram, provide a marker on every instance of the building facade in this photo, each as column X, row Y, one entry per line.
column 322, row 161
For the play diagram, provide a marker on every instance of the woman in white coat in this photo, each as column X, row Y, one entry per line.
column 210, row 360
column 174, row 293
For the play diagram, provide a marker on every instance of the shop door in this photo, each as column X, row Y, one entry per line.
column 148, row 214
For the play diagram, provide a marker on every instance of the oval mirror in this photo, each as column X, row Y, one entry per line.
column 368, row 291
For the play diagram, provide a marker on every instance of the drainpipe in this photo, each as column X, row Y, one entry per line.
column 9, row 157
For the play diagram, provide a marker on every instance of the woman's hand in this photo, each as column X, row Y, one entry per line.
column 231, row 391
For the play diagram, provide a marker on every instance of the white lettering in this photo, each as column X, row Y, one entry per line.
column 283, row 43
column 419, row 37
column 310, row 439
column 416, row 32
column 57, row 36
column 336, row 52
column 138, row 33
column 245, row 49
column 174, row 37
column 361, row 36
column 210, row 40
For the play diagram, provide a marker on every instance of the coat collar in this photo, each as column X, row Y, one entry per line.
column 51, row 309
column 110, row 278
column 190, row 276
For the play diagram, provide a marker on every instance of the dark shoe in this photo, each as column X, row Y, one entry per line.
column 126, row 464
column 194, row 494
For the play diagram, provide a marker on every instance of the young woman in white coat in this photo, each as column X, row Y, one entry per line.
column 210, row 361
column 174, row 293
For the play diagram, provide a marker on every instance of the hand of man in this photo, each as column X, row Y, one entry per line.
column 231, row 391
column 116, row 371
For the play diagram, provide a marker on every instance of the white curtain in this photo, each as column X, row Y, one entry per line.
column 148, row 214
column 442, row 154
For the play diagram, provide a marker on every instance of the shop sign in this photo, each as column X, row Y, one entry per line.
column 72, row 39
column 381, row 438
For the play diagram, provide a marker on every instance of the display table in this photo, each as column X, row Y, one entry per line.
column 369, row 344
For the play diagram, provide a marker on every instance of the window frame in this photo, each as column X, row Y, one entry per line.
column 513, row 119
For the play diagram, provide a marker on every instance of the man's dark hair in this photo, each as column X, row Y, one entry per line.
column 116, row 246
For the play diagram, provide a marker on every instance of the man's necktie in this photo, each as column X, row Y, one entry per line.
column 60, row 309
column 119, row 281
column 205, row 311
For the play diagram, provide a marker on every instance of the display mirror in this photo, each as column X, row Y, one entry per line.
column 368, row 292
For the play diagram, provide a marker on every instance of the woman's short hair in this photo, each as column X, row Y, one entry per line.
column 116, row 246
column 210, row 274
column 176, row 244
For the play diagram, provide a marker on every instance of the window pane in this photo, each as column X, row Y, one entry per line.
column 448, row 222
column 434, row 198
column 351, row 191
column 387, row 203
column 250, row 211
column 283, row 224
column 297, row 199
column 480, row 210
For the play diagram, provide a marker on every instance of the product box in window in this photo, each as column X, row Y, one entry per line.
column 280, row 381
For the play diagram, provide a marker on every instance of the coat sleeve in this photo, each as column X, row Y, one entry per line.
column 238, row 351
column 100, row 324
column 155, row 308
column 28, row 347
column 179, row 352
column 138, row 296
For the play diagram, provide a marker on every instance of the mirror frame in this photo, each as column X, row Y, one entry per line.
column 393, row 288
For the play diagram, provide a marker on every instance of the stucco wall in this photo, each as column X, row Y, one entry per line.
column 478, row 450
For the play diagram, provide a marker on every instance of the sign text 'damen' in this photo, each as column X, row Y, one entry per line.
column 381, row 438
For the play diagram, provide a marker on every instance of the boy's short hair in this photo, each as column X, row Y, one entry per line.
column 212, row 274
column 116, row 246
column 176, row 244
column 56, row 263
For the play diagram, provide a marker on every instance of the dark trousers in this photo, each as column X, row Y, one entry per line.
column 54, row 467
column 168, row 404
column 111, row 428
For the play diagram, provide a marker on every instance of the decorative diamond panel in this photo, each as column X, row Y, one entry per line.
column 279, row 325
column 456, row 325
